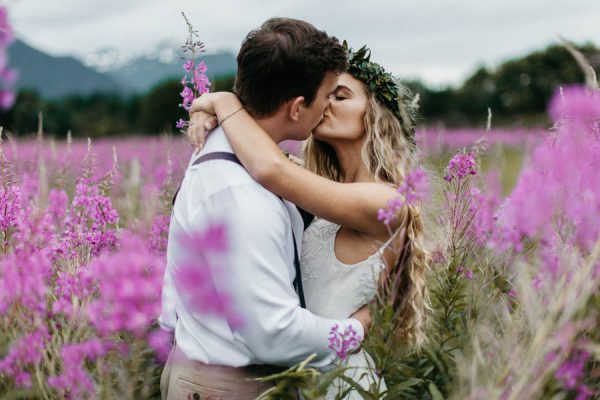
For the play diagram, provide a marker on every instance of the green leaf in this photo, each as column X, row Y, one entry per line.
column 435, row 392
column 410, row 382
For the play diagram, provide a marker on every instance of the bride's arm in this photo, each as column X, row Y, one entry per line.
column 353, row 205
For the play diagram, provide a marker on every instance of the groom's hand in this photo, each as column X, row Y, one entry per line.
column 363, row 315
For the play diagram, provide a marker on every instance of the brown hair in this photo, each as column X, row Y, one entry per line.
column 283, row 59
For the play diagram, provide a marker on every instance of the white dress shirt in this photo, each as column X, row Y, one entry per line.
column 259, row 276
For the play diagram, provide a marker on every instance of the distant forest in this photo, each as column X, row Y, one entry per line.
column 517, row 91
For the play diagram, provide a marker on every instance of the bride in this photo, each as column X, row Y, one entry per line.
column 362, row 149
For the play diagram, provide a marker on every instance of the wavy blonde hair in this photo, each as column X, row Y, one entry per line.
column 390, row 154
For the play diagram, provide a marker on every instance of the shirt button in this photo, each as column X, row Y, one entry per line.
column 196, row 396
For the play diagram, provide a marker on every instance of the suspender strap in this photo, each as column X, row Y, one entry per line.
column 307, row 217
column 217, row 155
column 298, row 280
column 221, row 155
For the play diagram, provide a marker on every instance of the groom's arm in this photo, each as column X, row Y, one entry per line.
column 276, row 330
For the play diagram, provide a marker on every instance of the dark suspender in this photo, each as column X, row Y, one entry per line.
column 307, row 217
column 221, row 155
column 298, row 279
column 217, row 155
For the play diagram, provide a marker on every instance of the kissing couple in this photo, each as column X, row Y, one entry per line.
column 307, row 250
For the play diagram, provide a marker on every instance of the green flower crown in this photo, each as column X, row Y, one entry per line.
column 385, row 86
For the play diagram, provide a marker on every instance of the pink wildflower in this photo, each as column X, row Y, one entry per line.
column 90, row 222
column 70, row 289
column 342, row 343
column 485, row 206
column 161, row 342
column 7, row 99
column 129, row 288
column 11, row 210
column 575, row 103
column 547, row 190
column 57, row 204
column 414, row 187
column 199, row 81
column 25, row 352
column 572, row 371
column 23, row 279
column 74, row 381
column 460, row 166
column 181, row 123
column 188, row 97
column 411, row 191
column 6, row 31
column 188, row 65
column 157, row 242
column 467, row 273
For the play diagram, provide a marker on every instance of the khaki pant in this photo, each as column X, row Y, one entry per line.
column 184, row 379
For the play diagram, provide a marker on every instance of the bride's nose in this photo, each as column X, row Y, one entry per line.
column 329, row 101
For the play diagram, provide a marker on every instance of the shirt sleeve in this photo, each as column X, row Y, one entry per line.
column 275, row 329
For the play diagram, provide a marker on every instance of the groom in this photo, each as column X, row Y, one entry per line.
column 286, row 71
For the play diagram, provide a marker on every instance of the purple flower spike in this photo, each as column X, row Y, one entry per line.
column 344, row 342
column 460, row 166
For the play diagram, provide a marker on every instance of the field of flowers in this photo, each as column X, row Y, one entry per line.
column 513, row 221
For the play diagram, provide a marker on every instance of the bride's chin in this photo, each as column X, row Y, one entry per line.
column 319, row 133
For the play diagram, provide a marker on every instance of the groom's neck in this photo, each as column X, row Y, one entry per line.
column 273, row 126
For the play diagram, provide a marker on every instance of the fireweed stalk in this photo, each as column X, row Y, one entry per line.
column 194, row 81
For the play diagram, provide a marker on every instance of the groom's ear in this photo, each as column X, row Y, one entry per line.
column 295, row 106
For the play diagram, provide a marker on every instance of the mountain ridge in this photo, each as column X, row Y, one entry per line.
column 55, row 77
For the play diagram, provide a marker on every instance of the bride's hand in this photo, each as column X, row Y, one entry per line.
column 201, row 123
column 203, row 116
column 363, row 315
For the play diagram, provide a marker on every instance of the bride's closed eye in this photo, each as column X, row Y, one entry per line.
column 338, row 96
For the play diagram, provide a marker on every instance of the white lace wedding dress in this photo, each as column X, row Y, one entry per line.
column 333, row 289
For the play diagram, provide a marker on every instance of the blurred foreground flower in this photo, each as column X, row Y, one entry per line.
column 202, row 280
column 7, row 75
column 410, row 192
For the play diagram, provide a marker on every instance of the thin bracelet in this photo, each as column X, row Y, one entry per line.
column 230, row 115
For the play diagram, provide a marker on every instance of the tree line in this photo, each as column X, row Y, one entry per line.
column 517, row 92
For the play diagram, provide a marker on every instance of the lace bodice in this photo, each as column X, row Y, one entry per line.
column 333, row 289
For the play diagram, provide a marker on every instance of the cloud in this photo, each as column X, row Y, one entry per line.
column 439, row 40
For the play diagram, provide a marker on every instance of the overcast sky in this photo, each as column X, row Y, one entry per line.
column 437, row 40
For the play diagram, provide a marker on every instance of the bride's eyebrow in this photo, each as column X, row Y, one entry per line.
column 342, row 87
